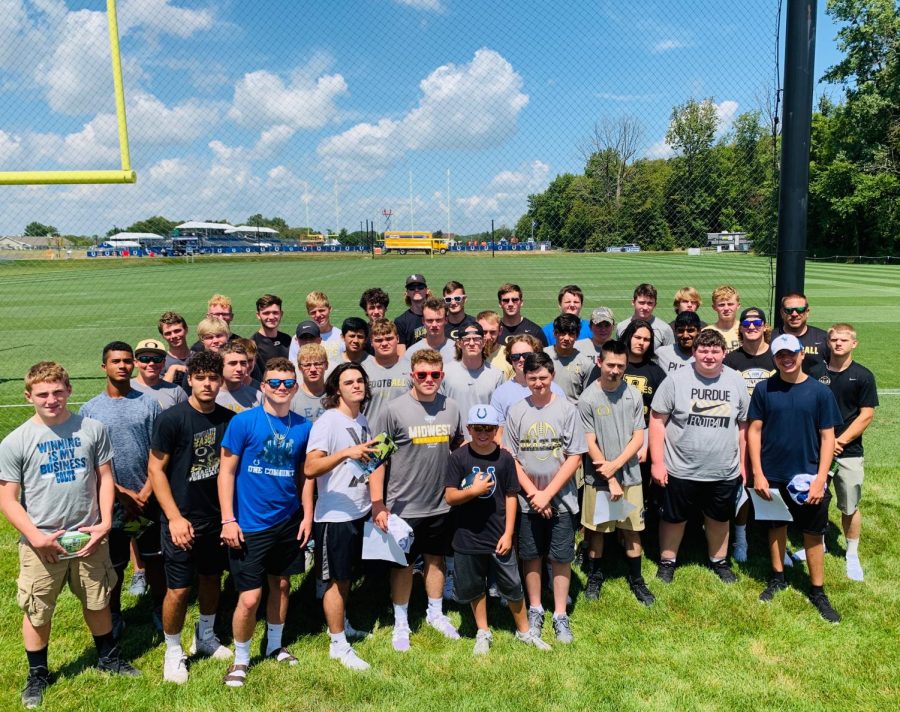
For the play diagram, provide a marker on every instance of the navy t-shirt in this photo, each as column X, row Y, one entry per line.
column 410, row 328
column 792, row 415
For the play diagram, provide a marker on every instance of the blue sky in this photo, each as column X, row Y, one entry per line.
column 333, row 108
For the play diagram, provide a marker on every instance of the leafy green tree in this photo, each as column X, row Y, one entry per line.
column 158, row 225
column 551, row 208
column 36, row 229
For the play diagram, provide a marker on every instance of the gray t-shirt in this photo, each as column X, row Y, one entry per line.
column 511, row 392
column 612, row 417
column 243, row 398
column 343, row 493
column 670, row 358
column 571, row 372
column 702, row 431
column 56, row 467
column 165, row 393
column 541, row 439
column 470, row 387
column 385, row 384
column 424, row 433
column 586, row 346
column 662, row 332
column 447, row 351
column 310, row 407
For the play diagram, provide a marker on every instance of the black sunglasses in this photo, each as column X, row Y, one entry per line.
column 147, row 358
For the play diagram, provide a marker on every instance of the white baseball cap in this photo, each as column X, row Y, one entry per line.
column 786, row 342
column 483, row 414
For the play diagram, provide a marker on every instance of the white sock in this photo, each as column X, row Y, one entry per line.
column 242, row 652
column 740, row 533
column 435, row 607
column 338, row 638
column 273, row 637
column 205, row 626
column 852, row 548
column 173, row 643
column 400, row 614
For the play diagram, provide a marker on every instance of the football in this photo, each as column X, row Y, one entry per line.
column 798, row 487
column 469, row 480
column 73, row 542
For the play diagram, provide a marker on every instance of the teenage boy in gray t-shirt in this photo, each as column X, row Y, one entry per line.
column 388, row 372
column 698, row 436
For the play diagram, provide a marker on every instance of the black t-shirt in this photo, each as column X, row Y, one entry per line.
column 853, row 388
column 193, row 441
column 410, row 328
column 267, row 348
column 526, row 326
column 481, row 522
column 451, row 331
column 815, row 347
column 753, row 368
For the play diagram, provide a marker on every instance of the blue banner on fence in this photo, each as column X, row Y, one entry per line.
column 276, row 249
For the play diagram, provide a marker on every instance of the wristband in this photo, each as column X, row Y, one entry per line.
column 228, row 521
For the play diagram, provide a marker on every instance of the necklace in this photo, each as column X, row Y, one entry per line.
column 279, row 437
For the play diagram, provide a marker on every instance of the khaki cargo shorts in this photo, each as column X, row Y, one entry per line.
column 634, row 521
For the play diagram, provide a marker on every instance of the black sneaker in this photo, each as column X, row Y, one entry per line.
column 639, row 588
column 774, row 586
column 666, row 571
column 823, row 606
column 723, row 571
column 114, row 664
column 38, row 681
column 594, row 584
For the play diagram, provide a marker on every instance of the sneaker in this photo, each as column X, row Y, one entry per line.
column 175, row 668
column 400, row 638
column 723, row 571
column 450, row 587
column 309, row 556
column 33, row 693
column 113, row 663
column 562, row 629
column 531, row 638
column 138, row 586
column 352, row 633
column 774, row 586
column 443, row 626
column 536, row 621
column 823, row 606
column 347, row 656
column 740, row 551
column 665, row 572
column 211, row 647
column 854, row 569
column 594, row 584
column 118, row 626
column 639, row 588
column 483, row 640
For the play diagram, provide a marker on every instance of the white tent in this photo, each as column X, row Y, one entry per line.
column 134, row 237
column 196, row 225
column 252, row 230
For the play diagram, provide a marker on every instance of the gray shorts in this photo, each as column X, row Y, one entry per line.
column 553, row 538
column 472, row 570
column 848, row 482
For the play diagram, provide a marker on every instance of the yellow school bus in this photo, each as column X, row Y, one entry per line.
column 403, row 241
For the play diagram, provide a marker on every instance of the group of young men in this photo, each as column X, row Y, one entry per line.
column 511, row 438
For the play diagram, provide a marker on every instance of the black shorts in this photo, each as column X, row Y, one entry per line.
column 273, row 552
column 810, row 518
column 472, row 570
column 715, row 499
column 207, row 556
column 148, row 545
column 553, row 538
column 433, row 536
column 338, row 548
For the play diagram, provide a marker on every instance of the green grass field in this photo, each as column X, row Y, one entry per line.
column 701, row 647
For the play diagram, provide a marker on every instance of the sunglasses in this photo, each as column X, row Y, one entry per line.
column 755, row 323
column 519, row 357
column 510, row 300
column 795, row 310
column 423, row 375
column 456, row 298
column 483, row 428
column 415, row 287
column 151, row 359
column 276, row 383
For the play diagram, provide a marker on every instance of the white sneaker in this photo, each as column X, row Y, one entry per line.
column 211, row 647
column 400, row 637
column 175, row 668
column 483, row 640
column 347, row 656
column 443, row 626
column 138, row 585
column 854, row 569
column 532, row 637
column 740, row 551
column 354, row 634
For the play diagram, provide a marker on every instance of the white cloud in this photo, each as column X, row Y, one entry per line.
column 530, row 178
column 667, row 45
column 726, row 111
column 470, row 106
column 10, row 147
column 161, row 16
column 660, row 149
column 269, row 141
column 431, row 5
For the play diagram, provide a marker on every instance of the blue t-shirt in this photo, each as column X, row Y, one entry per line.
column 272, row 451
column 792, row 415
column 585, row 332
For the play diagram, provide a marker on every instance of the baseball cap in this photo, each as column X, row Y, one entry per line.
column 786, row 342
column 753, row 310
column 688, row 318
column 416, row 279
column 150, row 346
column 354, row 323
column 601, row 314
column 483, row 414
column 308, row 328
column 473, row 329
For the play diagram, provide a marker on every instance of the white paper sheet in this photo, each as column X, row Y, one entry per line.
column 378, row 544
column 607, row 510
column 742, row 497
column 775, row 510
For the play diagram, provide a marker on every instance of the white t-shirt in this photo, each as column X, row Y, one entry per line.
column 343, row 492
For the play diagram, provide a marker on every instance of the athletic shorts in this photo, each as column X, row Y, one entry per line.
column 634, row 522
column 810, row 518
column 553, row 537
column 91, row 579
column 148, row 545
column 848, row 481
column 715, row 499
column 270, row 552
column 433, row 536
column 471, row 571
column 338, row 548
column 208, row 556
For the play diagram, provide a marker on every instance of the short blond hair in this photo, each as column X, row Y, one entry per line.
column 686, row 294
column 46, row 372
column 383, row 327
column 843, row 327
column 317, row 299
column 316, row 351
column 219, row 300
column 212, row 325
column 488, row 315
column 724, row 292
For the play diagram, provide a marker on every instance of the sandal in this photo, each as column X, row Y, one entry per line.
column 283, row 655
column 236, row 676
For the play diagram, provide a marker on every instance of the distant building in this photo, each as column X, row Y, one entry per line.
column 25, row 243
